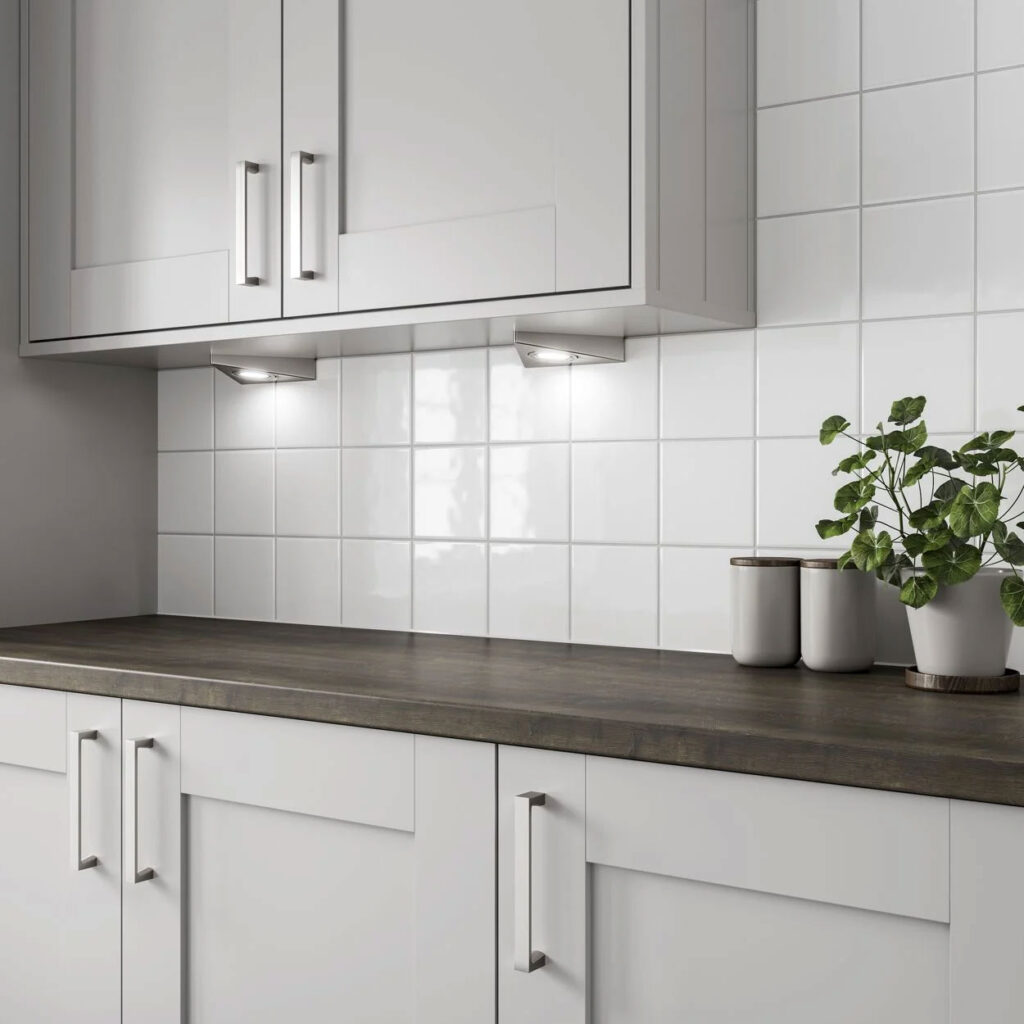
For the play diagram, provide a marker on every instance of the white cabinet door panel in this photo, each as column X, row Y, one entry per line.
column 463, row 150
column 60, row 944
column 685, row 895
column 138, row 113
column 323, row 870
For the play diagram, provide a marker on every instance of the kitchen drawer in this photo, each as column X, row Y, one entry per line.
column 33, row 726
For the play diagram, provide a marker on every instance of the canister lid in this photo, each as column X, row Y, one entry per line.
column 819, row 563
column 766, row 563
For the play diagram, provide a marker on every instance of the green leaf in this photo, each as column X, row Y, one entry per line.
column 974, row 510
column 854, row 496
column 852, row 463
column 906, row 410
column 936, row 456
column 977, row 465
column 913, row 438
column 843, row 560
column 952, row 564
column 1020, row 408
column 999, row 437
column 938, row 537
column 832, row 428
column 868, row 518
column 892, row 569
column 828, row 528
column 929, row 516
column 976, row 444
column 1008, row 545
column 918, row 590
column 950, row 489
column 1011, row 592
column 1002, row 455
column 915, row 544
column 869, row 550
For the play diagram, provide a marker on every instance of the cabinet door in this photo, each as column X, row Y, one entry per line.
column 461, row 150
column 305, row 871
column 667, row 895
column 140, row 113
column 60, row 863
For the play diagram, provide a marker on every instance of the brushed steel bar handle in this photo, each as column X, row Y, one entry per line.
column 242, row 171
column 131, row 806
column 75, row 741
column 298, row 159
column 527, row 959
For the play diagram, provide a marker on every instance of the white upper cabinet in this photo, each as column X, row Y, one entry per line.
column 365, row 172
column 461, row 150
column 140, row 114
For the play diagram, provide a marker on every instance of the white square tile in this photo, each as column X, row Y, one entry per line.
column 309, row 581
column 805, row 374
column 1000, row 33
column 243, row 413
column 615, row 596
column 244, row 581
column 450, row 588
column 617, row 400
column 707, row 385
column 185, row 575
column 707, row 492
column 376, row 399
column 918, row 258
column 530, row 591
column 450, row 391
column 796, row 489
column 911, row 40
column 695, row 602
column 244, row 492
column 1000, row 371
column 376, row 492
column 185, row 409
column 376, row 584
column 530, row 492
column 185, row 492
column 308, row 413
column 308, row 492
column 615, row 492
column 527, row 404
column 933, row 357
column 1000, row 139
column 1000, row 252
column 807, row 48
column 450, row 492
column 808, row 156
column 808, row 268
column 919, row 141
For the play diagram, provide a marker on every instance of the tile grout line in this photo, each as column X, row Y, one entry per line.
column 974, row 275
column 412, row 491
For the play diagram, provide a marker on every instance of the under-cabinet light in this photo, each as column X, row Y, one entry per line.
column 537, row 348
column 264, row 369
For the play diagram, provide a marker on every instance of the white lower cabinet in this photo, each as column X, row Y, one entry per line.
column 659, row 894
column 162, row 864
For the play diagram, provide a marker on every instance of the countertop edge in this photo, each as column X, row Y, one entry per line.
column 979, row 779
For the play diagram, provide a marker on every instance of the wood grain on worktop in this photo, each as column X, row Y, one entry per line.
column 677, row 708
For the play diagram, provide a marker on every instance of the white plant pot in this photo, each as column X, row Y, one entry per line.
column 964, row 631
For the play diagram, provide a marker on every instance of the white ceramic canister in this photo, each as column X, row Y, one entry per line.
column 837, row 617
column 765, row 611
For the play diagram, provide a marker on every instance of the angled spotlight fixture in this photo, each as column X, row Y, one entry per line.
column 537, row 348
column 264, row 369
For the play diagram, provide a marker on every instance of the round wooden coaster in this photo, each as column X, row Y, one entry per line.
column 1008, row 682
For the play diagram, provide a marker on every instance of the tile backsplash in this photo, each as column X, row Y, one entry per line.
column 456, row 491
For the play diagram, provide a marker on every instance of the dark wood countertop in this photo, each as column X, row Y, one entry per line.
column 688, row 709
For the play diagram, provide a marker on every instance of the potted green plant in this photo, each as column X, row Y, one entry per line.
column 937, row 524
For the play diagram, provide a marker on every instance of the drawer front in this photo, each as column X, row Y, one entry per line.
column 334, row 771
column 834, row 844
column 33, row 728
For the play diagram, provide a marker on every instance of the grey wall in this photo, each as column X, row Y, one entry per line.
column 77, row 446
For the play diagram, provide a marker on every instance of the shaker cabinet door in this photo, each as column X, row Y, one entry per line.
column 153, row 164
column 453, row 151
column 306, row 872
column 664, row 894
column 60, row 857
